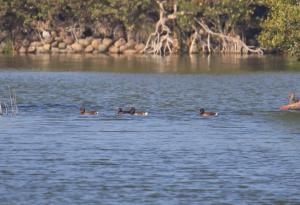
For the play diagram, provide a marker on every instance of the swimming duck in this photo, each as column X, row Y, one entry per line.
column 3, row 109
column 293, row 103
column 292, row 98
column 84, row 112
column 121, row 111
column 207, row 114
column 132, row 111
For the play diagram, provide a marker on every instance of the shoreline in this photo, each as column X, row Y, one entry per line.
column 140, row 63
column 145, row 55
column 54, row 44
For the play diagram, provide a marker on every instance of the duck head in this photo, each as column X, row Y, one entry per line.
column 120, row 110
column 132, row 110
column 202, row 111
column 82, row 110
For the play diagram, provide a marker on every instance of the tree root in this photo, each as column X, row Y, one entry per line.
column 160, row 42
column 229, row 44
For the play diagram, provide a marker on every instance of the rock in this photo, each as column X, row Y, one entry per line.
column 2, row 44
column 3, row 35
column 69, row 40
column 123, row 48
column 139, row 47
column 90, row 39
column 47, row 47
column 62, row 33
column 53, row 34
column 69, row 49
column 107, row 42
column 55, row 50
column 95, row 51
column 114, row 49
column 40, row 49
column 130, row 44
column 120, row 42
column 102, row 48
column 95, row 43
column 22, row 50
column 31, row 49
column 54, row 44
column 26, row 43
column 34, row 37
column 62, row 45
column 89, row 49
column 48, row 40
column 36, row 44
column 130, row 52
column 77, row 47
column 83, row 42
column 63, row 50
column 46, row 34
column 58, row 39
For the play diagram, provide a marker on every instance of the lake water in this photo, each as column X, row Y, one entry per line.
column 249, row 154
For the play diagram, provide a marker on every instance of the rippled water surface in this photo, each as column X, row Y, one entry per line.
column 249, row 154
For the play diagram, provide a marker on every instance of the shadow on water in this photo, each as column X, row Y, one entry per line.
column 148, row 64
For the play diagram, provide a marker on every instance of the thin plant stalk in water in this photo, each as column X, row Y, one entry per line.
column 1, row 111
column 13, row 102
column 4, row 108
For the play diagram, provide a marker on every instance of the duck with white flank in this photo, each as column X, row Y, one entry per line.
column 293, row 103
column 207, row 114
column 132, row 111
column 84, row 112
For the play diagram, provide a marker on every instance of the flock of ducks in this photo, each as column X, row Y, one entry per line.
column 132, row 111
column 293, row 104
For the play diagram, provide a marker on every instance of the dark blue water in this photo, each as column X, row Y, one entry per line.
column 249, row 154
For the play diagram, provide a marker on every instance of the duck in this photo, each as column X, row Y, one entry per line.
column 121, row 111
column 132, row 111
column 207, row 114
column 139, row 113
column 3, row 109
column 292, row 98
column 84, row 112
column 293, row 103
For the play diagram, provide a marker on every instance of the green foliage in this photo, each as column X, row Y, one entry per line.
column 192, row 8
column 281, row 29
column 8, row 46
column 130, row 12
column 231, row 17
